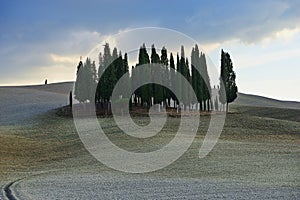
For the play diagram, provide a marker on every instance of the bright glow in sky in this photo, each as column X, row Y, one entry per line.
column 40, row 40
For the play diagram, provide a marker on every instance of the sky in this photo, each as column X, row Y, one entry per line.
column 44, row 39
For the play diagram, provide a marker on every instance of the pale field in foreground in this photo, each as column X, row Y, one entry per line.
column 257, row 154
column 251, row 148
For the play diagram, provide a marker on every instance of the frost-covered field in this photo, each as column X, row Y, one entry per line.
column 257, row 157
column 95, row 185
column 18, row 104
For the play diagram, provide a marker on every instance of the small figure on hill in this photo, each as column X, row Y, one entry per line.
column 46, row 82
column 71, row 99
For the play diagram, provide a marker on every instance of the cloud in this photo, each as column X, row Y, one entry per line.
column 56, row 57
column 63, row 59
column 246, row 21
column 285, row 34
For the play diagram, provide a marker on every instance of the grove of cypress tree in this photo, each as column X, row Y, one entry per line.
column 116, row 66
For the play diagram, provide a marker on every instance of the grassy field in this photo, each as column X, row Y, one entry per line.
column 259, row 148
column 250, row 144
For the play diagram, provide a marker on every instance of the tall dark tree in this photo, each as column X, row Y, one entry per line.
column 115, row 65
column 228, row 89
column 92, row 79
column 157, row 90
column 165, row 76
column 136, row 94
column 119, row 66
column 86, row 81
column 125, row 64
column 126, row 70
column 172, row 77
column 206, row 87
column 194, row 71
column 105, row 80
column 189, row 79
column 145, row 90
column 99, row 90
column 196, row 77
column 184, row 70
column 80, row 84
column 200, row 78
column 109, row 74
column 179, row 78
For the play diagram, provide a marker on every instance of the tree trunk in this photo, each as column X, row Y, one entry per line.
column 227, row 107
column 208, row 105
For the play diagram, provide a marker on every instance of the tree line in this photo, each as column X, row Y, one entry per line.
column 97, row 85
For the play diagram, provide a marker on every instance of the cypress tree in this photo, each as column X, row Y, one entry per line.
column 136, row 94
column 80, row 83
column 114, row 67
column 157, row 90
column 99, row 90
column 124, row 71
column 227, row 80
column 172, row 77
column 82, row 89
column 92, row 80
column 145, row 90
column 165, row 76
column 200, row 81
column 119, row 68
column 184, row 70
column 178, row 83
column 105, row 81
column 197, row 80
column 194, row 71
column 189, row 79
column 125, row 64
column 206, row 87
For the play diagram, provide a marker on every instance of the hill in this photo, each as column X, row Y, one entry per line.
column 259, row 101
column 19, row 103
column 242, row 99
column 43, row 157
